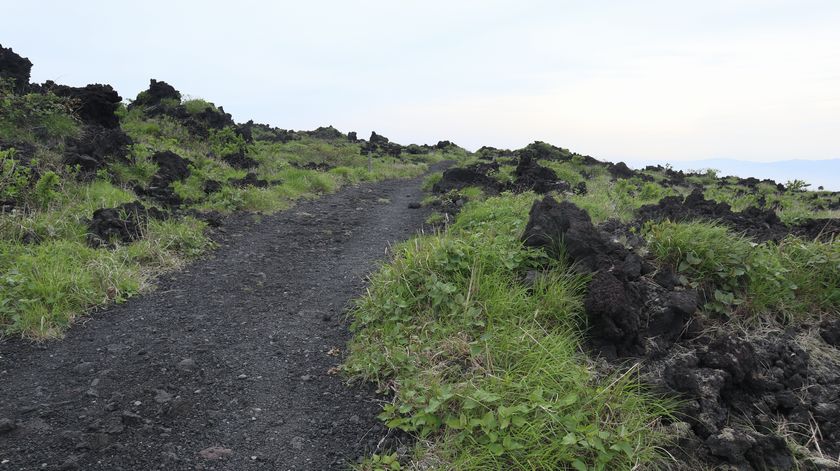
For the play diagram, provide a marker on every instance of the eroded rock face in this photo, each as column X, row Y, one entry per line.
column 15, row 67
column 123, row 224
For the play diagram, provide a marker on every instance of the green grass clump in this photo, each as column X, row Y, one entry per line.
column 51, row 282
column 198, row 105
column 488, row 370
column 48, row 285
column 34, row 117
column 793, row 279
column 606, row 199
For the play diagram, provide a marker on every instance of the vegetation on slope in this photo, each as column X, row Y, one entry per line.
column 60, row 165
column 485, row 346
column 486, row 364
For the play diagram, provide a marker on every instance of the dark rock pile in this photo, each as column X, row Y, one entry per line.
column 629, row 312
column 171, row 168
column 759, row 224
column 459, row 178
column 16, row 68
column 157, row 92
column 96, row 146
column 250, row 179
column 530, row 176
column 239, row 160
column 620, row 170
column 163, row 99
column 725, row 379
column 123, row 224
column 327, row 133
column 381, row 145
column 94, row 104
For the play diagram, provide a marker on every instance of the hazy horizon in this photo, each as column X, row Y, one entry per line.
column 748, row 80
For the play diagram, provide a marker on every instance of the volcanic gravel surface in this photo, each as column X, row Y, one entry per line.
column 229, row 364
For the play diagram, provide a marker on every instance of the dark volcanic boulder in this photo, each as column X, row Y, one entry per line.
column 246, row 130
column 326, row 133
column 96, row 146
column 94, row 104
column 157, row 92
column 535, row 177
column 171, row 167
column 123, row 224
column 563, row 228
column 211, row 186
column 830, row 332
column 760, row 224
column 250, row 179
column 620, row 170
column 614, row 320
column 15, row 67
column 393, row 149
column 317, row 166
column 460, row 178
column 628, row 312
column 240, row 160
column 377, row 139
column 24, row 151
column 352, row 137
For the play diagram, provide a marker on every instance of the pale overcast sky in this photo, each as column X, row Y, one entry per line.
column 672, row 80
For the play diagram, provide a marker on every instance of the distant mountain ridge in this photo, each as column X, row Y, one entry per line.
column 825, row 173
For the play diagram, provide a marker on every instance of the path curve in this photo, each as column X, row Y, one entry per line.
column 233, row 352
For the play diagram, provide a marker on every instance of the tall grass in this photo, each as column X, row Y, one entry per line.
column 487, row 368
column 793, row 279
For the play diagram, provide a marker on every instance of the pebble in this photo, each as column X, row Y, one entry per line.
column 83, row 368
column 130, row 418
column 306, row 377
column 297, row 443
column 215, row 453
column 187, row 364
column 7, row 425
column 162, row 396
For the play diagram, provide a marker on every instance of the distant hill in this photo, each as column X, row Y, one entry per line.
column 824, row 173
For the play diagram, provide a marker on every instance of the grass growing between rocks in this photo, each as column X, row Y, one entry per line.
column 794, row 279
column 52, row 274
column 486, row 368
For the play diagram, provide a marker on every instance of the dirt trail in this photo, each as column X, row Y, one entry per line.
column 233, row 352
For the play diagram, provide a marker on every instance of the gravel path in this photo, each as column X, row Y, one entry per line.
column 227, row 365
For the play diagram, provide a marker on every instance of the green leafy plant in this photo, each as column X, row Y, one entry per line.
column 46, row 188
column 14, row 177
column 487, row 369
